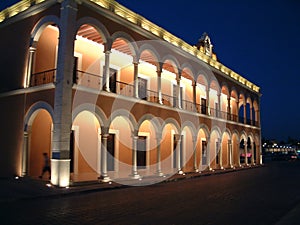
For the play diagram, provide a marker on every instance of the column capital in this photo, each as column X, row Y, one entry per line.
column 104, row 130
column 135, row 134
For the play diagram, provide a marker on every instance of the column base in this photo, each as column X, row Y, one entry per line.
column 159, row 173
column 135, row 176
column 180, row 171
column 60, row 172
column 104, row 178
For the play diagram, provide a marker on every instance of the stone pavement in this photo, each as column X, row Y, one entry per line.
column 25, row 188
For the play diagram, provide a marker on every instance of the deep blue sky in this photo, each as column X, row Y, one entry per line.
column 257, row 39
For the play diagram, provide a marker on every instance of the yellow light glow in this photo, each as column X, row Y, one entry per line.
column 145, row 24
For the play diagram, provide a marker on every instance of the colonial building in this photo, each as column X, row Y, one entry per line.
column 110, row 95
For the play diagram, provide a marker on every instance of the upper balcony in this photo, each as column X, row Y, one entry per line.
column 96, row 82
column 147, row 70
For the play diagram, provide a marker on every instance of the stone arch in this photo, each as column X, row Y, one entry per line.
column 173, row 61
column 35, row 35
column 127, row 116
column 40, row 26
column 31, row 112
column 152, row 51
column 171, row 132
column 225, row 95
column 85, row 144
column 235, row 148
column 154, row 120
column 128, row 39
column 201, row 154
column 215, row 146
column 226, row 151
column 38, row 123
column 101, row 29
column 96, row 110
column 188, row 147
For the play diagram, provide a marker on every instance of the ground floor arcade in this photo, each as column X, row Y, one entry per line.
column 122, row 146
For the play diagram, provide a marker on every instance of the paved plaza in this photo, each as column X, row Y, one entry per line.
column 261, row 195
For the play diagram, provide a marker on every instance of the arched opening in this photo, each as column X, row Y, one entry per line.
column 243, row 150
column 201, row 150
column 147, row 148
column 148, row 84
column 39, row 134
column 121, row 68
column 171, row 92
column 236, row 150
column 242, row 109
column 171, row 149
column 121, row 144
column 89, row 58
column 234, row 106
column 186, row 83
column 226, row 150
column 214, row 98
column 85, row 147
column 188, row 150
column 43, row 56
column 215, row 150
column 225, row 105
column 202, row 97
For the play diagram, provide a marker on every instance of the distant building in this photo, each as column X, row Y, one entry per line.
column 110, row 95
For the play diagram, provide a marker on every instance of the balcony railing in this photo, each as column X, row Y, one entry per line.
column 125, row 89
column 44, row 77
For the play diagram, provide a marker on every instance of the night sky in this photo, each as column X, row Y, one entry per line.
column 257, row 39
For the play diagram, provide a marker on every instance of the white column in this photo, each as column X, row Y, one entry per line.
column 178, row 92
column 208, row 154
column 196, row 167
column 25, row 153
column 245, row 114
column 245, row 148
column 29, row 66
column 251, row 116
column 237, row 109
column 135, row 79
column 252, row 153
column 158, row 157
column 62, row 122
column 218, row 110
column 228, row 108
column 207, row 101
column 159, row 71
column 106, row 70
column 104, row 176
column 194, row 95
column 178, row 151
column 134, row 173
column 229, row 146
column 239, row 155
column 219, row 152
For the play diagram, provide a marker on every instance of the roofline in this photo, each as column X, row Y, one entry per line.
column 146, row 25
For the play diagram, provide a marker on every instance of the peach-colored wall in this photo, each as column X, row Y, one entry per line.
column 46, row 50
column 225, row 153
column 86, row 142
column 188, row 164
column 40, row 142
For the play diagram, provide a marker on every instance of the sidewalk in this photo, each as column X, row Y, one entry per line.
column 15, row 189
column 22, row 189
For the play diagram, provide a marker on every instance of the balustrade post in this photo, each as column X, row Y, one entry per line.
column 194, row 95
column 136, row 81
column 106, row 70
column 159, row 71
column 29, row 66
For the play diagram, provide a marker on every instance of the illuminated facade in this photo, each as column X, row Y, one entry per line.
column 110, row 95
